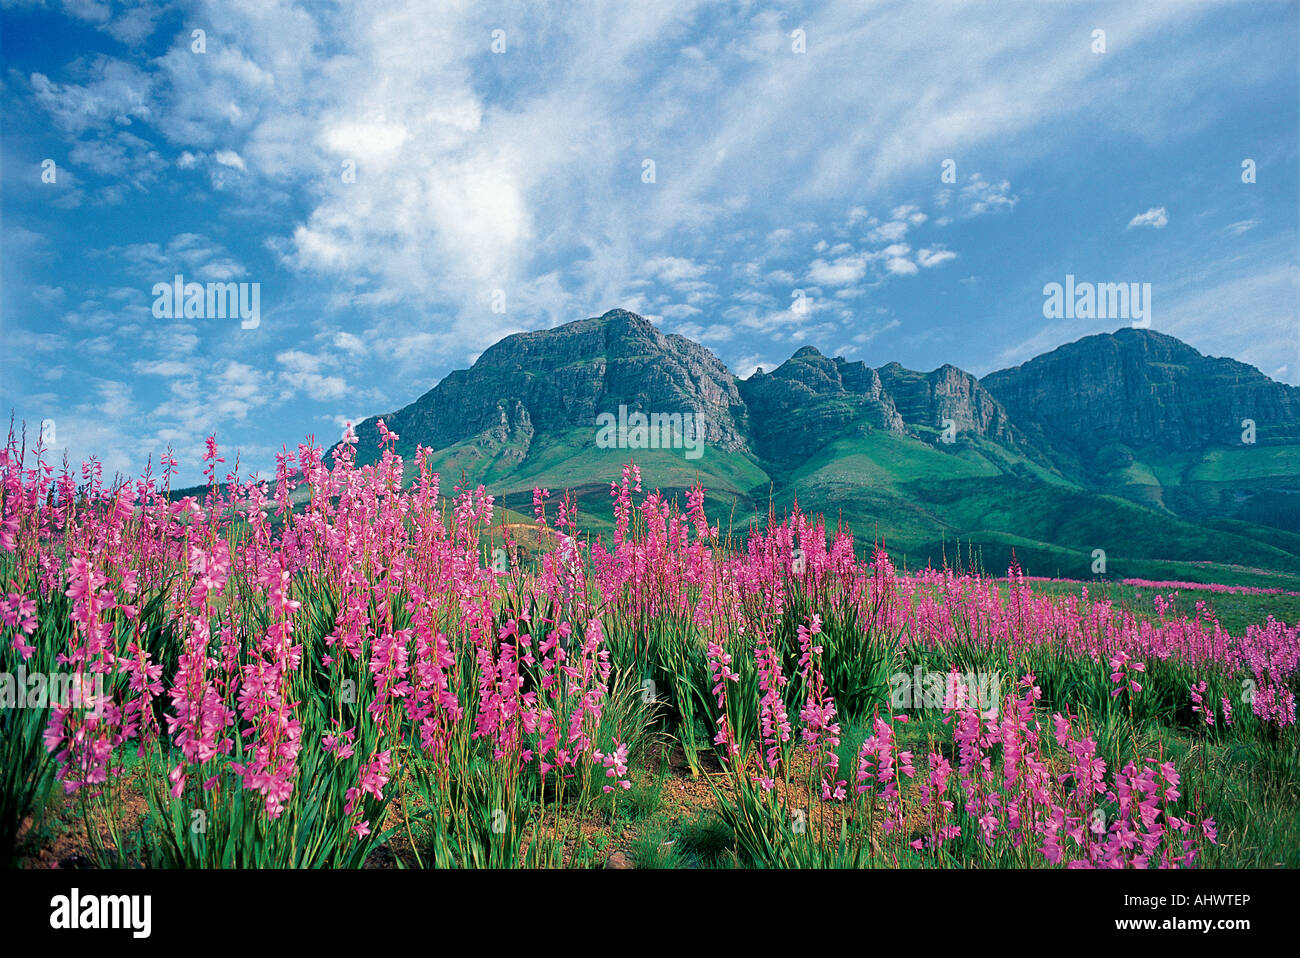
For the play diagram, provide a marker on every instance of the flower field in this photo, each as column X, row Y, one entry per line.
column 339, row 668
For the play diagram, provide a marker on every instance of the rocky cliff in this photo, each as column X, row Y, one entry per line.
column 560, row 379
column 1138, row 388
column 925, row 400
column 809, row 400
column 1083, row 409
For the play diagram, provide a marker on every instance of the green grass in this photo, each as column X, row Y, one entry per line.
column 1247, row 462
column 1234, row 610
column 1239, row 507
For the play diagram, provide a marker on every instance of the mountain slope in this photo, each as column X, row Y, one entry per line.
column 925, row 400
column 526, row 413
column 562, row 378
column 1034, row 460
column 1146, row 389
column 809, row 399
column 1147, row 416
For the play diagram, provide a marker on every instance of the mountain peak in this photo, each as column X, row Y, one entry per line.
column 809, row 400
column 948, row 394
column 1089, row 412
column 1138, row 386
column 625, row 318
column 557, row 381
column 1142, row 389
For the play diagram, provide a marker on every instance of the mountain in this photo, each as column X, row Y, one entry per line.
column 525, row 414
column 810, row 397
column 925, row 400
column 560, row 379
column 1129, row 442
column 1145, row 390
column 1148, row 416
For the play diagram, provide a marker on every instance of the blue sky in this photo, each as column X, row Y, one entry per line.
column 517, row 179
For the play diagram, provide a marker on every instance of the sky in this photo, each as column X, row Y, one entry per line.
column 405, row 183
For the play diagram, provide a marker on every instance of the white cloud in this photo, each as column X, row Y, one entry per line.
column 230, row 158
column 1157, row 218
column 871, row 333
column 934, row 257
column 349, row 343
column 48, row 295
column 167, row 368
column 114, row 93
column 890, row 232
column 307, row 373
column 911, row 214
column 193, row 255
column 841, row 272
column 900, row 266
column 674, row 269
column 296, row 362
column 679, row 311
column 979, row 196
